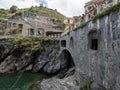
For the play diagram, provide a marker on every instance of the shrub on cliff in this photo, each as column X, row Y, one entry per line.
column 31, row 44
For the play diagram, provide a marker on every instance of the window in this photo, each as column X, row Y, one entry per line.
column 68, row 21
column 90, row 7
column 31, row 31
column 71, row 42
column 14, row 24
column 63, row 43
column 110, row 1
column 40, row 32
column 94, row 44
column 9, row 25
column 93, row 40
column 20, row 26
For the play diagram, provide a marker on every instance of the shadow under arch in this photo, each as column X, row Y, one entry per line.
column 66, row 55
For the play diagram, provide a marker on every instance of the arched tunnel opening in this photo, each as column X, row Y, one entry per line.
column 70, row 65
column 66, row 55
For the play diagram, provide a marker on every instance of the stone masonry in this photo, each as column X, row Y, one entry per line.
column 96, row 50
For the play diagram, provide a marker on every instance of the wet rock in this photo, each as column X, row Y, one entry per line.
column 13, row 63
column 70, row 72
column 5, row 50
column 68, row 83
column 40, row 62
column 95, row 86
column 55, row 65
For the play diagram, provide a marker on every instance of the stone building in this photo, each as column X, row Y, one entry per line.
column 92, row 8
column 76, row 20
column 68, row 23
column 28, row 24
column 95, row 50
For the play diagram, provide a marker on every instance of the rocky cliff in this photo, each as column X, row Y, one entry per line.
column 31, row 54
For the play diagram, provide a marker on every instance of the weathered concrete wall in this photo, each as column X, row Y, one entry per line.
column 102, row 65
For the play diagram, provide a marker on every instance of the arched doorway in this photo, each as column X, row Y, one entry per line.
column 66, row 55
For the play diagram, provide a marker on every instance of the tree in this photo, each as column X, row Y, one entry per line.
column 13, row 8
column 41, row 5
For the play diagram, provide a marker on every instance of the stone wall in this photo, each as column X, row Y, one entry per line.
column 40, row 28
column 96, row 50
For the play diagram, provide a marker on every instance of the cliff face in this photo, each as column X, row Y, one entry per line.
column 30, row 54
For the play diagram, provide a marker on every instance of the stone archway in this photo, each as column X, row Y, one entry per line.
column 66, row 55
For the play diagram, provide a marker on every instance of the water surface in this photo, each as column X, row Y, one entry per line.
column 21, row 81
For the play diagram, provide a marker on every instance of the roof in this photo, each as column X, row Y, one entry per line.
column 89, row 3
column 94, row 2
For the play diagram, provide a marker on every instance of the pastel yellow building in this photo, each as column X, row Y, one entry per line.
column 69, row 22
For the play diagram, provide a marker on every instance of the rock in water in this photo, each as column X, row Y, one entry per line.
column 54, row 66
column 68, row 83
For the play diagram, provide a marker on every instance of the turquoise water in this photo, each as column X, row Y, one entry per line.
column 22, row 81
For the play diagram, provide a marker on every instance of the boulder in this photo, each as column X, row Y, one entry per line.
column 39, row 63
column 54, row 83
column 55, row 66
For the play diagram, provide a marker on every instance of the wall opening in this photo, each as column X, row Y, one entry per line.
column 93, row 40
column 66, row 56
column 40, row 31
column 71, row 42
column 20, row 26
column 63, row 43
column 31, row 31
column 14, row 24
column 94, row 44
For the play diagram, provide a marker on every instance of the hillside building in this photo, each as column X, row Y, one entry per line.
column 94, row 7
column 28, row 24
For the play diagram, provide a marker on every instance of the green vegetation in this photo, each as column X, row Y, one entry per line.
column 16, row 31
column 2, row 27
column 23, row 81
column 4, row 13
column 107, row 11
column 77, row 82
column 31, row 43
column 81, row 26
column 61, row 75
column 13, row 9
column 101, row 14
column 87, row 86
column 44, row 11
column 54, row 15
column 108, row 89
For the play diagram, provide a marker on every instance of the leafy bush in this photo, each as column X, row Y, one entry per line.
column 32, row 44
column 87, row 86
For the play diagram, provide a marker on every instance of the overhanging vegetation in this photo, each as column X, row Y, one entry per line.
column 100, row 15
